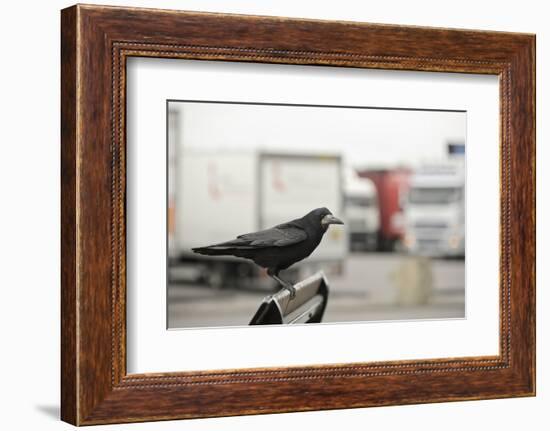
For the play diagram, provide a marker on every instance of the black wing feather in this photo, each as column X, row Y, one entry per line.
column 279, row 236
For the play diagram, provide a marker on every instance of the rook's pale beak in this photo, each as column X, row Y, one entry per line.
column 330, row 219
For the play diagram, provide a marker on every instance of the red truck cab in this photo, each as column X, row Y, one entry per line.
column 392, row 186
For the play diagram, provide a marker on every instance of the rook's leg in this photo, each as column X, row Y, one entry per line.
column 286, row 285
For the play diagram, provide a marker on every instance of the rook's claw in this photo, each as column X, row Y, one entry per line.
column 292, row 290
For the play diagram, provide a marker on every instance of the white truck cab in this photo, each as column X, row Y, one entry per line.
column 434, row 211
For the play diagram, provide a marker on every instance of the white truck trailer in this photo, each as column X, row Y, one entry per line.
column 215, row 196
column 435, row 211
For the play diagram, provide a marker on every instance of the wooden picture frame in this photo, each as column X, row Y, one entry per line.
column 95, row 43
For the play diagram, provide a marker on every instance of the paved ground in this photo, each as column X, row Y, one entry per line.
column 373, row 286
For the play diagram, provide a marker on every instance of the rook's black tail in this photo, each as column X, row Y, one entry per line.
column 236, row 247
column 211, row 251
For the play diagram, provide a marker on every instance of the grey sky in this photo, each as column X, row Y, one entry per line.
column 373, row 137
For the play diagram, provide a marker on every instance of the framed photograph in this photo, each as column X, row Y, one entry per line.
column 264, row 214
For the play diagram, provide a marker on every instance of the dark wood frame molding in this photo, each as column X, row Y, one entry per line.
column 95, row 43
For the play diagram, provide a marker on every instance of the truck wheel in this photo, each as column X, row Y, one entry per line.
column 372, row 243
column 380, row 243
column 216, row 277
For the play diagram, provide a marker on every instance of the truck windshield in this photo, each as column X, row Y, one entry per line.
column 434, row 195
column 360, row 201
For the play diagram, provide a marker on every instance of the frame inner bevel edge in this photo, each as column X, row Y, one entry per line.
column 122, row 50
